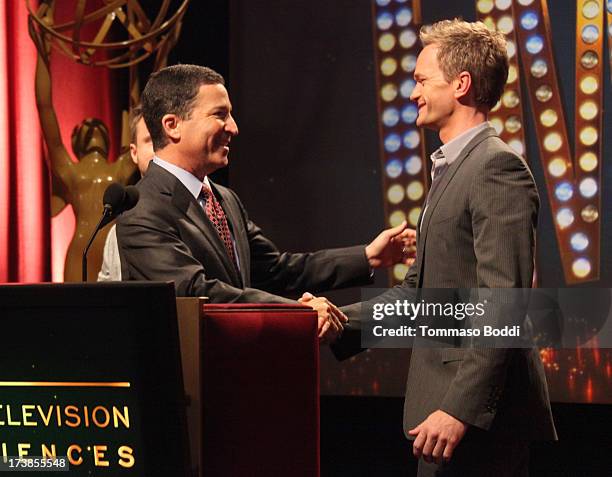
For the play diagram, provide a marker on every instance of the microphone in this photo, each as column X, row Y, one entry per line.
column 117, row 199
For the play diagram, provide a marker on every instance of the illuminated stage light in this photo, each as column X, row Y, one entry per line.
column 588, row 187
column 484, row 6
column 588, row 136
column 413, row 165
column 386, row 42
column 395, row 194
column 410, row 113
column 401, row 1
column 496, row 107
column 413, row 216
column 564, row 191
column 497, row 124
column 408, row 63
column 589, row 214
column 394, row 168
column 590, row 34
column 579, row 242
column 513, row 124
column 415, row 190
column 544, row 93
column 553, row 142
column 392, row 143
column 589, row 60
column 505, row 24
column 589, row 85
column 557, row 167
column 403, row 17
column 503, row 4
column 510, row 99
column 388, row 92
column 534, row 44
column 384, row 21
column 512, row 74
column 517, row 145
column 407, row 87
column 412, row 139
column 609, row 4
column 390, row 117
column 588, row 162
column 407, row 38
column 590, row 9
column 400, row 271
column 581, row 267
column 383, row 3
column 565, row 217
column 539, row 68
column 588, row 110
column 525, row 3
column 510, row 48
column 489, row 23
column 548, row 117
column 396, row 218
column 388, row 66
column 529, row 20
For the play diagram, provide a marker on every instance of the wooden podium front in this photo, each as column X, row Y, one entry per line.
column 251, row 375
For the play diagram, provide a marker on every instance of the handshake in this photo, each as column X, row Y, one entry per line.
column 391, row 246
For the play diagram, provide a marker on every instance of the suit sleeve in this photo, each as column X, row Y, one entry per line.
column 504, row 208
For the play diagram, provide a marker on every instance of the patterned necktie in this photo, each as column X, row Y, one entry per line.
column 217, row 217
column 438, row 172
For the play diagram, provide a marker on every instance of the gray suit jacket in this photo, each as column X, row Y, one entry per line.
column 167, row 236
column 478, row 232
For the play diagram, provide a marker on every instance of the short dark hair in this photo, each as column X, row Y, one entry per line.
column 172, row 90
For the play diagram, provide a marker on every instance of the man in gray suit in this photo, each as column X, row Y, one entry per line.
column 471, row 412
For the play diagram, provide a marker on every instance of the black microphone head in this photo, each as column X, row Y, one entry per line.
column 131, row 198
column 114, row 196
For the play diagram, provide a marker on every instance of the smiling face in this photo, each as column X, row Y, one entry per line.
column 435, row 97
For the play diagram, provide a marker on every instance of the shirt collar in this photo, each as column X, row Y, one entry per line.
column 191, row 182
column 452, row 149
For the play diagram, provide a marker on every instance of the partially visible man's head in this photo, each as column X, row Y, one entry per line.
column 141, row 146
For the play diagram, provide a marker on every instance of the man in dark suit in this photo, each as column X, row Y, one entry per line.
column 471, row 412
column 196, row 233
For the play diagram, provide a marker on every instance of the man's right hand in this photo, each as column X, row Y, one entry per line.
column 331, row 319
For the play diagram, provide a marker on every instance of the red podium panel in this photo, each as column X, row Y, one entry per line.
column 259, row 390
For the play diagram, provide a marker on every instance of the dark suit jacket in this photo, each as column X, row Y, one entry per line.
column 167, row 236
column 478, row 232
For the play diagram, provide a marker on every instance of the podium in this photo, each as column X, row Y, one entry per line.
column 252, row 379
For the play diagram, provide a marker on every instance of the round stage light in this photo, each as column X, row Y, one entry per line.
column 503, row 4
column 413, row 216
column 525, row 3
column 496, row 107
column 588, row 110
column 588, row 136
column 512, row 74
column 609, row 6
column 581, row 267
column 497, row 124
column 517, row 145
column 553, row 142
column 408, row 63
column 588, row 187
column 407, row 87
column 390, row 117
column 529, row 20
column 407, row 38
column 484, row 6
column 589, row 214
column 579, row 242
column 388, row 92
column 589, row 84
column 534, row 44
column 513, row 124
column 565, row 218
column 588, row 162
column 415, row 190
column 388, row 66
column 383, row 3
column 510, row 48
column 413, row 165
column 394, row 168
column 395, row 194
column 589, row 60
column 386, row 42
column 510, row 99
column 392, row 143
column 489, row 23
column 539, row 68
column 544, row 93
column 564, row 191
column 590, row 9
column 590, row 34
column 384, row 21
column 410, row 113
column 396, row 218
column 548, row 117
column 400, row 271
column 403, row 17
column 557, row 167
column 505, row 24
column 412, row 139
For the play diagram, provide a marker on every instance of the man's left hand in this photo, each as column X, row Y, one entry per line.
column 394, row 245
column 437, row 436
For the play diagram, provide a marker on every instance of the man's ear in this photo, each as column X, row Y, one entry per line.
column 133, row 154
column 172, row 126
column 463, row 84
